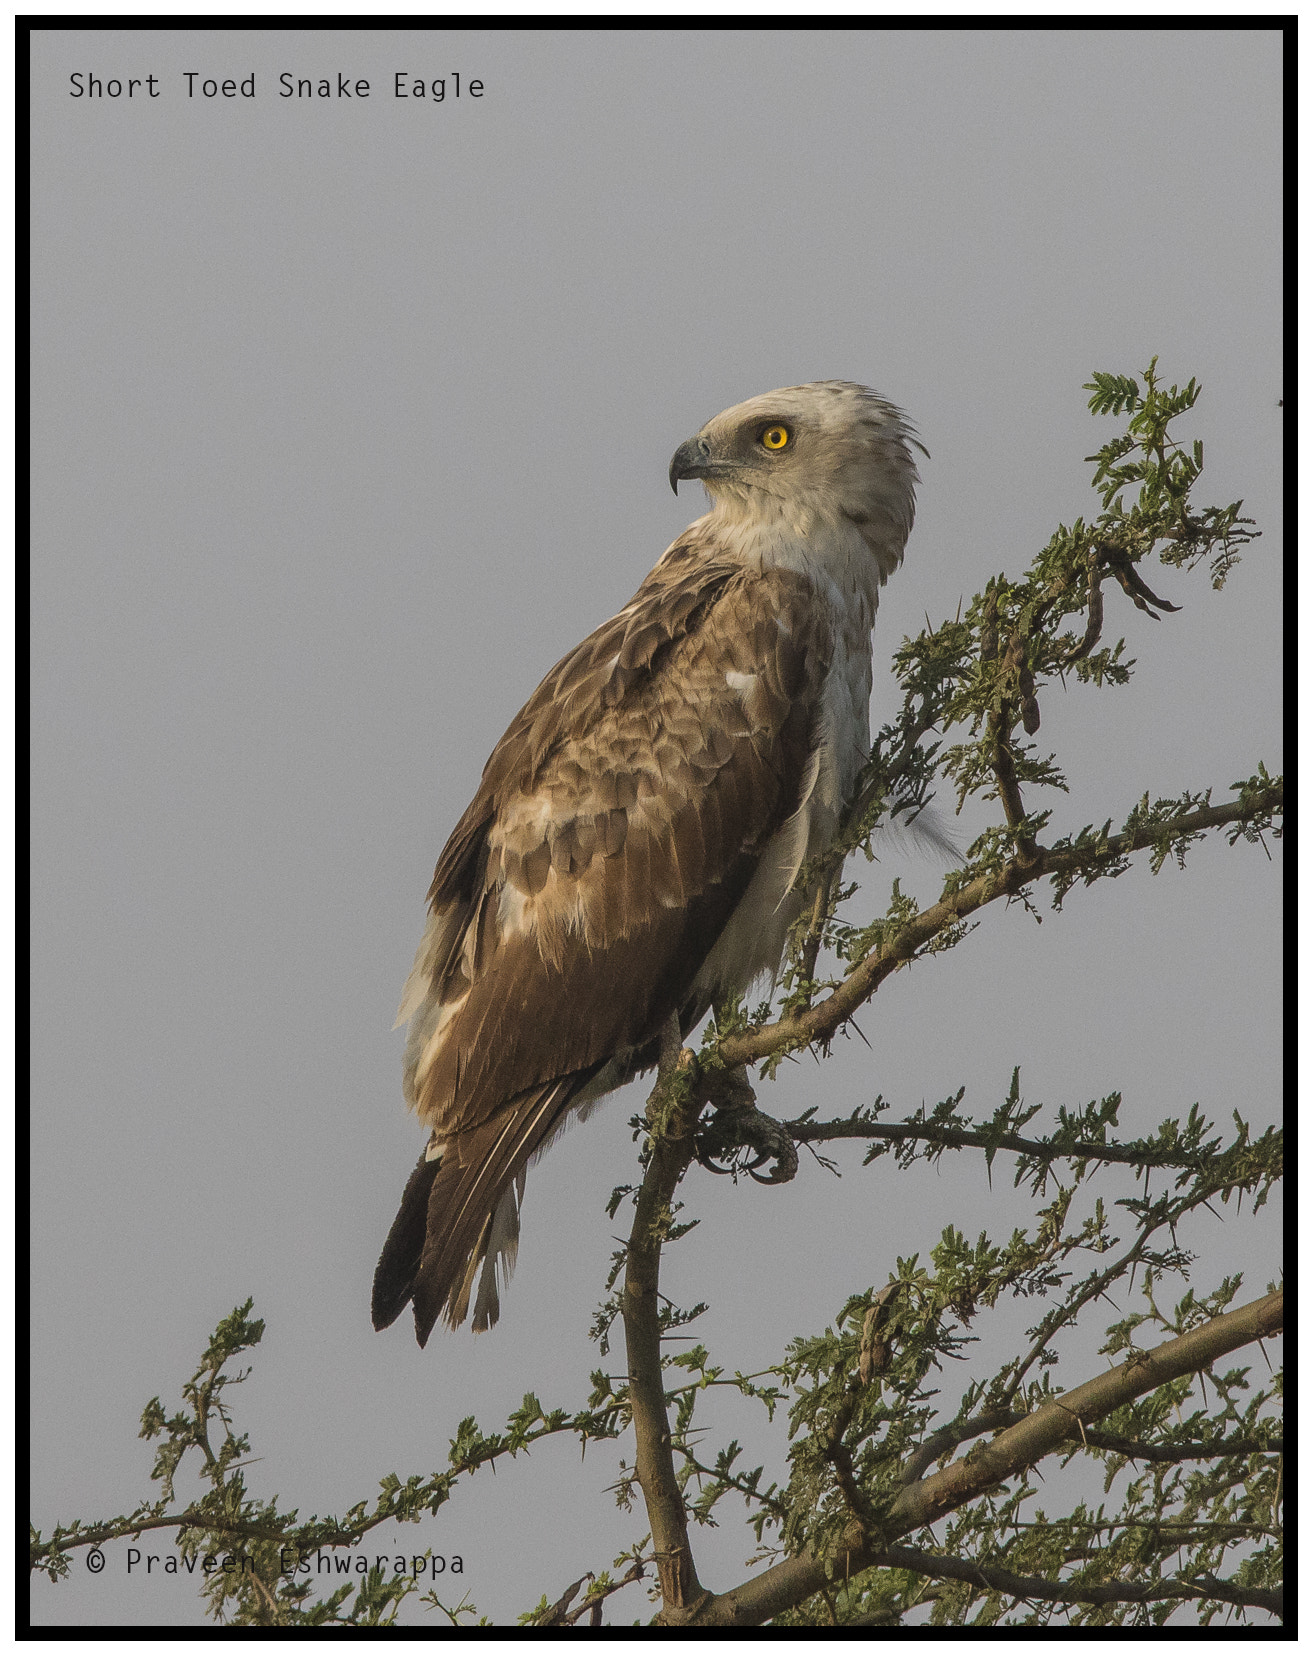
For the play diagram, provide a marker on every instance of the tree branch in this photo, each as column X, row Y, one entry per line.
column 986, row 1466
column 1044, row 1591
column 1070, row 1308
column 672, row 1113
column 560, row 1613
column 301, row 1538
column 728, row 1480
column 215, row 1523
column 981, row 1138
column 948, row 1437
column 1168, row 1454
column 1001, row 758
column 820, row 1022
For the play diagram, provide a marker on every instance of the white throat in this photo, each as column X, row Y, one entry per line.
column 830, row 552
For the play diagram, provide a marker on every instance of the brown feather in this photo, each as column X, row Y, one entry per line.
column 398, row 1265
column 626, row 831
column 464, row 1194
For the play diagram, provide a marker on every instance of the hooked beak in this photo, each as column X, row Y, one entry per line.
column 692, row 459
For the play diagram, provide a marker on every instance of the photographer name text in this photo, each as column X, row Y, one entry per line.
column 292, row 1562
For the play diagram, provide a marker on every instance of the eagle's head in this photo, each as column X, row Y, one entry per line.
column 818, row 456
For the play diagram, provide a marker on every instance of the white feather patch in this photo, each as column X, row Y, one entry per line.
column 503, row 1246
column 439, row 934
column 513, row 912
column 424, row 1041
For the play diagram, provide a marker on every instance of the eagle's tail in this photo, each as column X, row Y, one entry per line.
column 458, row 1227
column 398, row 1264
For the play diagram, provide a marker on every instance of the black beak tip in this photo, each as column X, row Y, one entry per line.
column 689, row 460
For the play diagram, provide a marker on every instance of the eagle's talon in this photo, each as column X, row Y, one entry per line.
column 735, row 1128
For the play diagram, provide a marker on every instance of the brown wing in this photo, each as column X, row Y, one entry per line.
column 617, row 826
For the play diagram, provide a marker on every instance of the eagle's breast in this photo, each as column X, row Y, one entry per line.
column 842, row 587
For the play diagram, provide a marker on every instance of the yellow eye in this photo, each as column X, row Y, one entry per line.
column 775, row 437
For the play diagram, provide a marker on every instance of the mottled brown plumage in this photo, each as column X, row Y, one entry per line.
column 631, row 849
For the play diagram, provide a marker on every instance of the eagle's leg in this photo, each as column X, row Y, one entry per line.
column 670, row 1044
column 739, row 1125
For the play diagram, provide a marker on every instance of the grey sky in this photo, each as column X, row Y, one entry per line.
column 350, row 419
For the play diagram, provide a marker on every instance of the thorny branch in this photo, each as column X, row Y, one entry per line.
column 977, row 1138
column 939, row 1443
column 561, row 1615
column 672, row 1113
column 1042, row 1590
column 683, row 1088
column 1041, row 1433
column 822, row 1021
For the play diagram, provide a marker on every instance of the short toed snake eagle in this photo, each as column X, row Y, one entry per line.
column 631, row 851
